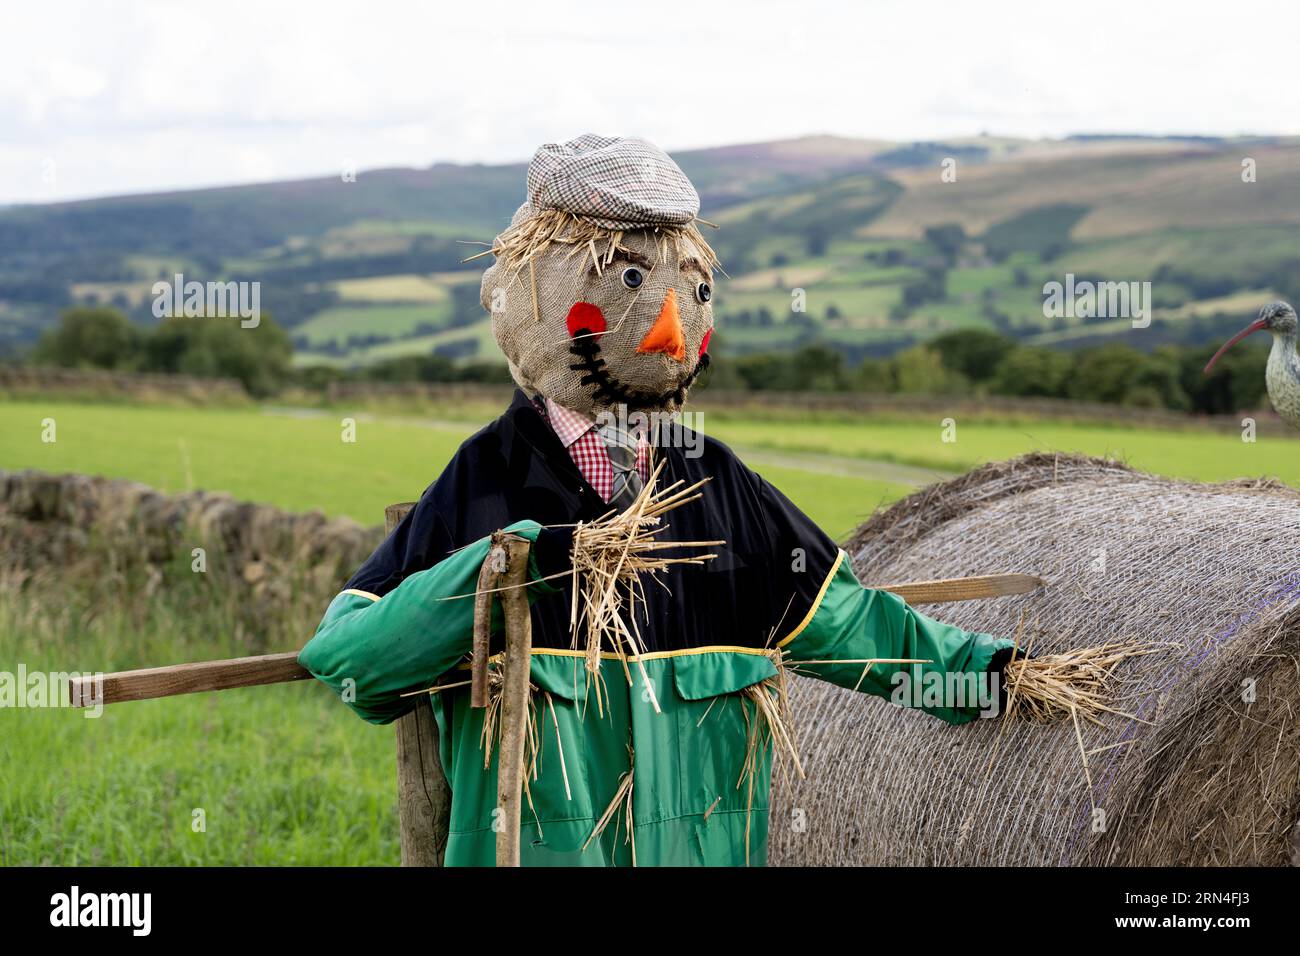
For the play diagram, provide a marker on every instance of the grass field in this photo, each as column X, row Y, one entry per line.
column 1200, row 455
column 336, row 325
column 300, row 462
column 284, row 774
column 281, row 774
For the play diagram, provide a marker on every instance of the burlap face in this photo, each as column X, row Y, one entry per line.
column 541, row 350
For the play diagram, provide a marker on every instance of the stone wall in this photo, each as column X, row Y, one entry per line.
column 21, row 381
column 81, row 535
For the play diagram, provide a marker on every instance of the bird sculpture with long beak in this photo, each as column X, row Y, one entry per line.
column 1282, row 374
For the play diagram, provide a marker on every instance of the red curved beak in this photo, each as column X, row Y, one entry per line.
column 1257, row 326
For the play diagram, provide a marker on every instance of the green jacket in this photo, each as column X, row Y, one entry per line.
column 699, row 779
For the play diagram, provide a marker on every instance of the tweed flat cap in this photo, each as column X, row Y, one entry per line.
column 615, row 182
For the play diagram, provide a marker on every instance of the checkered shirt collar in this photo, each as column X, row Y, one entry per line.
column 569, row 425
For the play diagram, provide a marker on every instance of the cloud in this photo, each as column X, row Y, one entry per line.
column 142, row 96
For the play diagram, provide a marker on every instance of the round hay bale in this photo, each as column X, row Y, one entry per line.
column 1209, row 775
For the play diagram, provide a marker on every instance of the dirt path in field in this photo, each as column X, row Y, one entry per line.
column 870, row 469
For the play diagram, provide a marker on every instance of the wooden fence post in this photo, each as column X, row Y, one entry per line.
column 423, row 796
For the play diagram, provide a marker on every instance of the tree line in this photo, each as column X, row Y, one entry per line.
column 975, row 362
column 969, row 362
column 260, row 358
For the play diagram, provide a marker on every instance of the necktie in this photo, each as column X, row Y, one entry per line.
column 622, row 455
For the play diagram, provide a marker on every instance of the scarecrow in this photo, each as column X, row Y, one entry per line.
column 655, row 747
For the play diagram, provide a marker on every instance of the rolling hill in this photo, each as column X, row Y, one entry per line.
column 886, row 252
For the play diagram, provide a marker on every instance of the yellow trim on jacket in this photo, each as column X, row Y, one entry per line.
column 817, row 602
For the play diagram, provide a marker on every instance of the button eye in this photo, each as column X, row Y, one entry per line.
column 704, row 292
column 633, row 277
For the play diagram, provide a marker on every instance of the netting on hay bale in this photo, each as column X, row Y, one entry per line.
column 1211, row 774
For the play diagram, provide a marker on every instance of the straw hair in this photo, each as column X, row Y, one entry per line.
column 533, row 235
column 1207, row 771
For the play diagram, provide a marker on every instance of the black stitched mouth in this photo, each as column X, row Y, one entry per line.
column 610, row 391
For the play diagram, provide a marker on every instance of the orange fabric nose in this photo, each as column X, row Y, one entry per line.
column 666, row 334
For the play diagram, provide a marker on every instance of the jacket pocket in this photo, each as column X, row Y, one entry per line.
column 713, row 673
column 561, row 675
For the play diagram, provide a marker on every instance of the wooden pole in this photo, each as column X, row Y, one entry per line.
column 964, row 589
column 423, row 796
column 488, row 580
column 514, row 698
column 175, row 679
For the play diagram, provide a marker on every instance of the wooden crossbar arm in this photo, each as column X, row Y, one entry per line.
column 279, row 668
column 964, row 589
column 178, row 679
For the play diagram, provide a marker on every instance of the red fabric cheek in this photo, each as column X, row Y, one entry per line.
column 704, row 345
column 584, row 315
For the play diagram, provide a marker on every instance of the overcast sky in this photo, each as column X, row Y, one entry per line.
column 105, row 98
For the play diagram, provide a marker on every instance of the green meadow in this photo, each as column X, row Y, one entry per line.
column 274, row 775
column 1193, row 454
column 298, row 460
column 285, row 774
